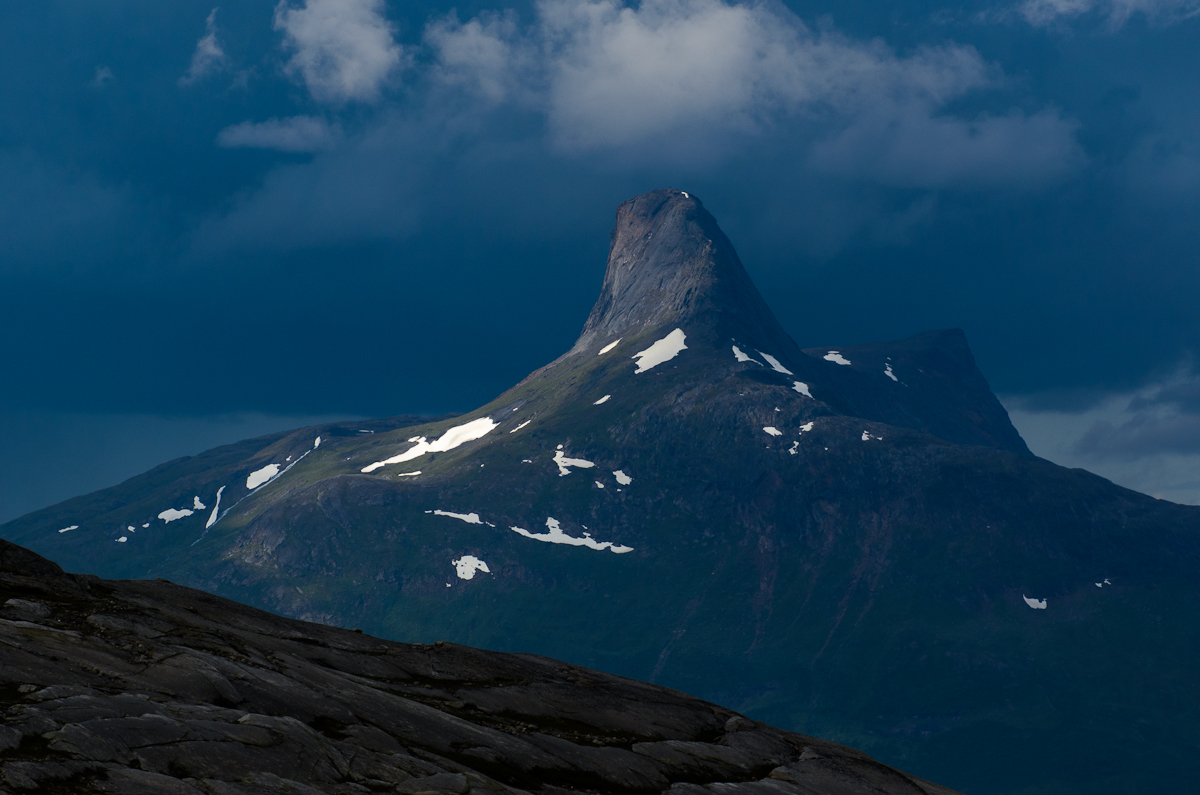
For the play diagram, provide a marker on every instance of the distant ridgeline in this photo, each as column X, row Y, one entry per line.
column 851, row 541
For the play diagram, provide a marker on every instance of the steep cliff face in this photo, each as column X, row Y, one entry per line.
column 850, row 541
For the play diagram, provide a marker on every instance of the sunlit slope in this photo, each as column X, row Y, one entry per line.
column 847, row 540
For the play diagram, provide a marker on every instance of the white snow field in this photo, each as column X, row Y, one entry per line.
column 557, row 536
column 466, row 566
column 664, row 350
column 458, row 435
column 775, row 365
column 564, row 462
column 261, row 476
column 469, row 518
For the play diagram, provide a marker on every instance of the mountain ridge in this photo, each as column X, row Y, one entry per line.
column 842, row 540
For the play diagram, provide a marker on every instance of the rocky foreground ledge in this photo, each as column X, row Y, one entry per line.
column 149, row 687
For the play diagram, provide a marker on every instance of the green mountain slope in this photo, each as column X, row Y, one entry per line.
column 852, row 542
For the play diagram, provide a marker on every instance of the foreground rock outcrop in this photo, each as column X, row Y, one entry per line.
column 150, row 687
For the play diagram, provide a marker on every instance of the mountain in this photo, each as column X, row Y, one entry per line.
column 849, row 541
column 150, row 688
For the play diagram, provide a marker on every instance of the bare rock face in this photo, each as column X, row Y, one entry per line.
column 148, row 687
column 670, row 264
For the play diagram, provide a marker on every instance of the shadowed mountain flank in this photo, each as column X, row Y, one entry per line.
column 849, row 541
column 148, row 688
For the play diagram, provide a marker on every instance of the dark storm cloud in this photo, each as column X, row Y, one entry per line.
column 406, row 174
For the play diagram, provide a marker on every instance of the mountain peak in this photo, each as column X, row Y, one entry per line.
column 669, row 262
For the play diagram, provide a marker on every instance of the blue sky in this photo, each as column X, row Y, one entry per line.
column 217, row 220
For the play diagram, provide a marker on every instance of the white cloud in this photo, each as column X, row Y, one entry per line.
column 677, row 78
column 208, row 56
column 486, row 55
column 102, row 77
column 344, row 50
column 294, row 134
column 1115, row 12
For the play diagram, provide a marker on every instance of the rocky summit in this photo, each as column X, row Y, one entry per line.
column 846, row 540
column 150, row 688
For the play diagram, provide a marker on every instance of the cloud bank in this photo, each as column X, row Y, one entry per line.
column 294, row 134
column 682, row 77
column 208, row 57
column 1115, row 12
column 343, row 50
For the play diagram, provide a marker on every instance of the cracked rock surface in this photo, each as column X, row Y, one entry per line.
column 149, row 687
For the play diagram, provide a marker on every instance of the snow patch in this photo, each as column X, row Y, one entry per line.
column 866, row 437
column 622, row 478
column 836, row 358
column 557, row 536
column 887, row 370
column 458, row 435
column 407, row 474
column 122, row 539
column 599, row 485
column 147, row 524
column 609, row 347
column 802, row 388
column 775, row 365
column 69, row 529
column 602, row 400
column 172, row 514
column 466, row 566
column 1036, row 604
column 197, row 505
column 664, row 350
column 469, row 518
column 772, row 430
column 743, row 357
column 317, row 443
column 519, row 427
column 212, row 519
column 808, row 426
column 261, row 476
column 564, row 462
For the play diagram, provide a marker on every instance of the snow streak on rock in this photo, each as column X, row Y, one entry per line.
column 802, row 388
column 743, row 357
column 261, row 476
column 466, row 566
column 469, row 518
column 171, row 514
column 664, row 350
column 458, row 435
column 212, row 519
column 557, row 536
column 564, row 462
column 775, row 365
